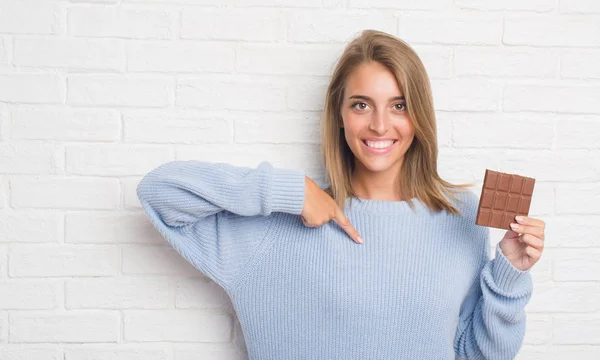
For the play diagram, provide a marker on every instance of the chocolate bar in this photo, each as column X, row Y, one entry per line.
column 503, row 197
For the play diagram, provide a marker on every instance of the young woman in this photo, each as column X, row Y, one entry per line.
column 402, row 271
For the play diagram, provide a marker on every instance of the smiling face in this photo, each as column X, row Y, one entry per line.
column 373, row 108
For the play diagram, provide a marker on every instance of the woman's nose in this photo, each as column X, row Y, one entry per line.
column 379, row 122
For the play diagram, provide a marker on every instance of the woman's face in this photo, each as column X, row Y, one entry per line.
column 374, row 109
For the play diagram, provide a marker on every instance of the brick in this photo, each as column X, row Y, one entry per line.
column 115, row 159
column 244, row 3
column 502, row 130
column 542, row 271
column 116, row 352
column 3, row 261
column 176, row 126
column 120, row 293
column 71, row 327
column 562, row 234
column 402, row 5
column 120, row 90
column 176, row 326
column 565, row 298
column 466, row 165
column 29, row 17
column 231, row 93
column 306, row 94
column 32, row 88
column 569, row 352
column 5, row 50
column 533, row 352
column 580, row 64
column 436, row 59
column 93, row 54
column 30, row 227
column 543, row 200
column 483, row 29
column 96, row 1
column 539, row 329
column 299, row 156
column 276, row 128
column 3, row 327
column 576, row 329
column 23, row 294
column 505, row 62
column 576, row 265
column 156, row 260
column 324, row 26
column 129, row 23
column 209, row 352
column 64, row 193
column 582, row 99
column 179, row 57
column 110, row 228
column 550, row 30
column 200, row 293
column 60, row 123
column 577, row 132
column 444, row 128
column 233, row 24
column 64, row 260
column 508, row 5
column 550, row 165
column 291, row 59
column 579, row 6
column 131, row 200
column 2, row 196
column 18, row 352
column 28, row 157
column 580, row 199
column 476, row 95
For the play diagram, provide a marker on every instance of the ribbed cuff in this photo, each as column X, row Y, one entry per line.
column 287, row 190
column 508, row 278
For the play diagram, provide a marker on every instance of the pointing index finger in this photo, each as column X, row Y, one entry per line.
column 343, row 222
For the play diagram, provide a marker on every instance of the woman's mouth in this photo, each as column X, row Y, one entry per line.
column 380, row 147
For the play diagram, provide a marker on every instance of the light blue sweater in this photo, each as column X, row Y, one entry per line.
column 420, row 287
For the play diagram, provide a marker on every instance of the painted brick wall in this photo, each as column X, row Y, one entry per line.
column 95, row 93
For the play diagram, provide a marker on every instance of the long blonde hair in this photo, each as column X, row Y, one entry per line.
column 419, row 174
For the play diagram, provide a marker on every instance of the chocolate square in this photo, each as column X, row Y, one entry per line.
column 503, row 196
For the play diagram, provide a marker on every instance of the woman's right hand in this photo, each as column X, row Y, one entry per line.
column 319, row 208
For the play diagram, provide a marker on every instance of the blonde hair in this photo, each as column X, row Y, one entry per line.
column 419, row 174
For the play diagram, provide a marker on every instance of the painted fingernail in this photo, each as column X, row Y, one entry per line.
column 514, row 226
column 520, row 218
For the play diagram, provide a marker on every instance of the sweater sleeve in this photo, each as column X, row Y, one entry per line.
column 216, row 214
column 492, row 318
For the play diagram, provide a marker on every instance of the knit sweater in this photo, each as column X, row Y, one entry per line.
column 421, row 286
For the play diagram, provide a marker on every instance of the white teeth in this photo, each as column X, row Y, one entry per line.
column 379, row 144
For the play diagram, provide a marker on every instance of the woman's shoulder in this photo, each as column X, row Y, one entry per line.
column 467, row 202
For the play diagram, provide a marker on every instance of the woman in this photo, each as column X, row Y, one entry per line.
column 416, row 282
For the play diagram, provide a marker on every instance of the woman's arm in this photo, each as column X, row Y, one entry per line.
column 492, row 318
column 216, row 214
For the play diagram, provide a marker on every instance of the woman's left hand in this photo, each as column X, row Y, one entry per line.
column 523, row 245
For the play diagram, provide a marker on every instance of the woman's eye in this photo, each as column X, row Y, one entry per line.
column 400, row 107
column 361, row 105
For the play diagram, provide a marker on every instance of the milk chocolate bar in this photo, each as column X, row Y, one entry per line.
column 503, row 197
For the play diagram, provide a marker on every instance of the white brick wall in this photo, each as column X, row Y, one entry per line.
column 94, row 93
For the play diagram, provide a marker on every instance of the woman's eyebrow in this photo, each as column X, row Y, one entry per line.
column 364, row 97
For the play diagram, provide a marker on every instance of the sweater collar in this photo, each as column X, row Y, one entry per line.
column 380, row 206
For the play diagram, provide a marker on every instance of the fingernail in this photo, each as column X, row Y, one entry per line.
column 514, row 226
column 360, row 240
column 520, row 218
